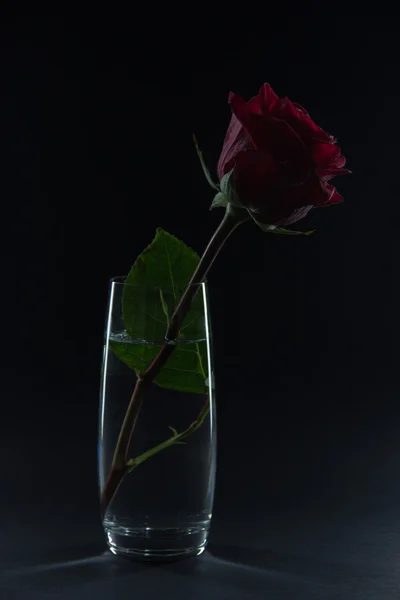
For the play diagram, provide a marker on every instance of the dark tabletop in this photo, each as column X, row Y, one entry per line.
column 285, row 525
column 262, row 555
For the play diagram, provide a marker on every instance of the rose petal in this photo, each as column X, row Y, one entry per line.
column 262, row 187
column 254, row 104
column 236, row 140
column 327, row 174
column 340, row 161
column 267, row 96
column 299, row 120
column 282, row 159
column 335, row 197
column 296, row 215
column 313, row 129
column 312, row 192
column 301, row 109
column 273, row 136
column 281, row 217
column 256, row 174
column 284, row 109
column 299, row 213
column 302, row 123
column 327, row 155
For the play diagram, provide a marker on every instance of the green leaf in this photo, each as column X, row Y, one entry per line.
column 219, row 200
column 281, row 231
column 184, row 371
column 203, row 164
column 153, row 288
column 228, row 189
column 164, row 306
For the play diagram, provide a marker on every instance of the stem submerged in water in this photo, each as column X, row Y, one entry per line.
column 175, row 439
column 121, row 463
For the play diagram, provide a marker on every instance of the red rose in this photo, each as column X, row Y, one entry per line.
column 276, row 161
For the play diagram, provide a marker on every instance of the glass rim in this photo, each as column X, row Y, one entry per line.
column 120, row 280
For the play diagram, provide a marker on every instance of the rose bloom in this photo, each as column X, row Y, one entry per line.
column 279, row 160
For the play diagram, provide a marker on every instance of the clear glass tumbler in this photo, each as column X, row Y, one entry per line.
column 163, row 506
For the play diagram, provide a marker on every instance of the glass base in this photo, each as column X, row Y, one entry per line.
column 157, row 544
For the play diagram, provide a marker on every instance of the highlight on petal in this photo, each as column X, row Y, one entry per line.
column 340, row 161
column 327, row 174
column 335, row 197
column 300, row 109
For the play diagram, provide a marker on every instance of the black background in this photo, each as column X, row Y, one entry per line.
column 96, row 119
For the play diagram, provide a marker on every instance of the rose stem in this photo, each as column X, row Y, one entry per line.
column 135, row 462
column 232, row 218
